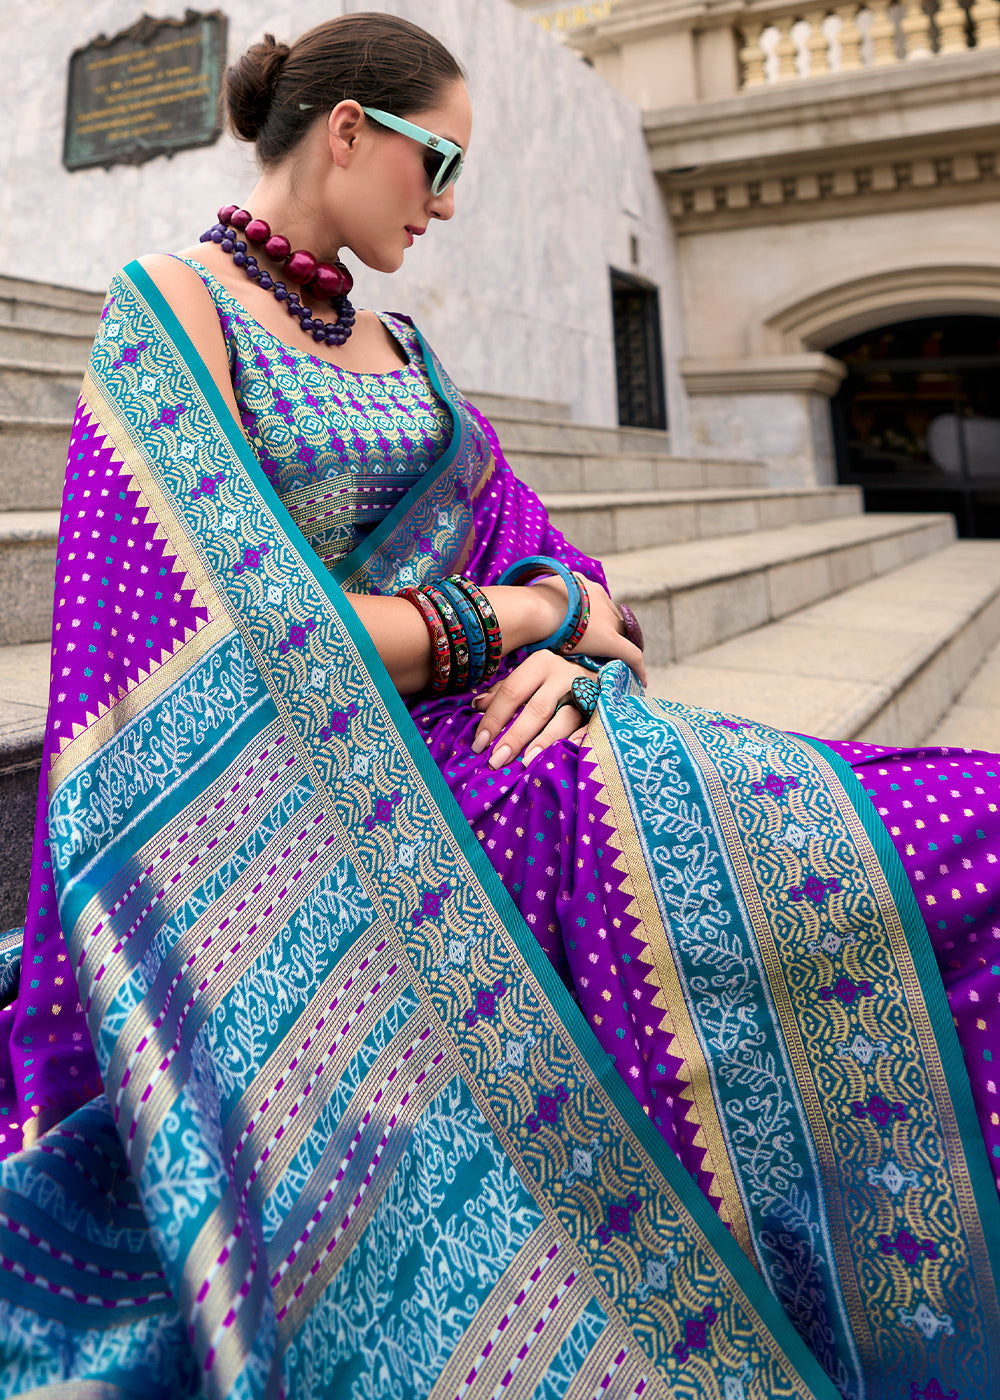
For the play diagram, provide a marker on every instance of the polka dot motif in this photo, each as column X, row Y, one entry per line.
column 122, row 601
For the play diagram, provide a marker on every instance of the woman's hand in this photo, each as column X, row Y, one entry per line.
column 603, row 636
column 532, row 691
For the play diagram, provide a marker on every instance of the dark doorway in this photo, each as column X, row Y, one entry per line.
column 638, row 354
column 917, row 420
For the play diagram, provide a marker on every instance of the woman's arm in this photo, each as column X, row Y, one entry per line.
column 525, row 615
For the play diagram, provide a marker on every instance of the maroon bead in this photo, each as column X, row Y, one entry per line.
column 348, row 280
column 329, row 281
column 240, row 219
column 257, row 231
column 226, row 212
column 277, row 247
column 301, row 266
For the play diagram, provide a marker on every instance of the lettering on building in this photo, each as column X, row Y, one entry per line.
column 150, row 90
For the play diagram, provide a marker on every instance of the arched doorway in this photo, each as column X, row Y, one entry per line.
column 916, row 421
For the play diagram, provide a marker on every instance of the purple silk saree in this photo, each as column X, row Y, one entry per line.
column 296, row 1100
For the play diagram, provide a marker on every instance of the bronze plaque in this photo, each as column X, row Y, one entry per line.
column 151, row 90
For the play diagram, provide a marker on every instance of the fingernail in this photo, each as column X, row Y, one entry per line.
column 532, row 752
column 480, row 741
column 499, row 756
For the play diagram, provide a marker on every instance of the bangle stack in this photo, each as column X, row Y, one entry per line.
column 568, row 636
column 466, row 645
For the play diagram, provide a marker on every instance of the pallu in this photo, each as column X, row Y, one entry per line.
column 341, row 1127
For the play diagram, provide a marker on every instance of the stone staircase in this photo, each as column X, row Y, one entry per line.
column 786, row 605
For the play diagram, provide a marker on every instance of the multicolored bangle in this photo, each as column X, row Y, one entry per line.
column 578, row 602
column 440, row 648
column 575, row 636
column 488, row 621
column 458, row 642
column 474, row 634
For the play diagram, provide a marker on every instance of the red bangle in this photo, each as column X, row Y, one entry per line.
column 488, row 621
column 440, row 650
column 457, row 642
column 580, row 625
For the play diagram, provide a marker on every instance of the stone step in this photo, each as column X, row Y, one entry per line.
column 510, row 406
column 27, row 574
column 882, row 661
column 565, row 471
column 45, row 306
column 32, row 462
column 24, row 689
column 603, row 523
column 34, row 389
column 28, row 343
column 973, row 721
column 526, row 433
column 694, row 595
column 33, row 458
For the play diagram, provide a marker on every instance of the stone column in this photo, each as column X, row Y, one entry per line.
column 773, row 409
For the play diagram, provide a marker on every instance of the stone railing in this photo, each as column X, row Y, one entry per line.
column 792, row 45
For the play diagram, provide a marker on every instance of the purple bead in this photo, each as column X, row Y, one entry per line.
column 267, row 284
column 279, row 292
column 227, row 245
column 294, row 310
column 240, row 259
column 254, row 273
column 206, row 237
column 241, row 247
column 319, row 333
column 216, row 236
column 307, row 323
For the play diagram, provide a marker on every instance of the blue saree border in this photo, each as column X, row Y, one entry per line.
column 919, row 945
column 731, row 1260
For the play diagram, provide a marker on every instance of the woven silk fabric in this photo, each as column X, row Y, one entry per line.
column 355, row 1136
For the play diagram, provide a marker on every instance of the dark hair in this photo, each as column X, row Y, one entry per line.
column 275, row 92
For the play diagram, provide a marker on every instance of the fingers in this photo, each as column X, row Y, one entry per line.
column 523, row 705
column 536, row 714
column 561, row 726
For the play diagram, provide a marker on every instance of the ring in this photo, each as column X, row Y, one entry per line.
column 632, row 629
column 566, row 699
column 584, row 692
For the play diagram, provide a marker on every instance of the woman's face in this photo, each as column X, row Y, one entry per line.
column 388, row 188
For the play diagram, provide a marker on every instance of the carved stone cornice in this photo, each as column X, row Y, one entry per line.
column 908, row 137
column 807, row 373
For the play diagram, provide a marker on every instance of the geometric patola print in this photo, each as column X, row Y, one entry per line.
column 118, row 633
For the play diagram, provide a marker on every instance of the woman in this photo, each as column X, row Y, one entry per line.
column 332, row 796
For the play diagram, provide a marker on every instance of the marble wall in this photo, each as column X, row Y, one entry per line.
column 513, row 292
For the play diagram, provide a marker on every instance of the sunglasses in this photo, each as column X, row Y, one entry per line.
column 443, row 160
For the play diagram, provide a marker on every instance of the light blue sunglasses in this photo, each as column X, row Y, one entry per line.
column 443, row 161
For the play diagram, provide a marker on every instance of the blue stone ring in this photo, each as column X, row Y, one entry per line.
column 584, row 692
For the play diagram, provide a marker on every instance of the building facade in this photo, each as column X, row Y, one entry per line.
column 832, row 173
column 514, row 293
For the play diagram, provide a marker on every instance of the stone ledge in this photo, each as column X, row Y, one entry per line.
column 811, row 373
column 882, row 661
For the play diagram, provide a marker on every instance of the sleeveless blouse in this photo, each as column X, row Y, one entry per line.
column 339, row 448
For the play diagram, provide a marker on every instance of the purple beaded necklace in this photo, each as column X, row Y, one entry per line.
column 332, row 282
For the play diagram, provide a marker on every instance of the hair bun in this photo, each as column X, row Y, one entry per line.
column 250, row 86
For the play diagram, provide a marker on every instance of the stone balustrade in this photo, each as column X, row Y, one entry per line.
column 783, row 44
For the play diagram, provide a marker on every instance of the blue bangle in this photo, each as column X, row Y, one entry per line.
column 535, row 566
column 473, row 630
